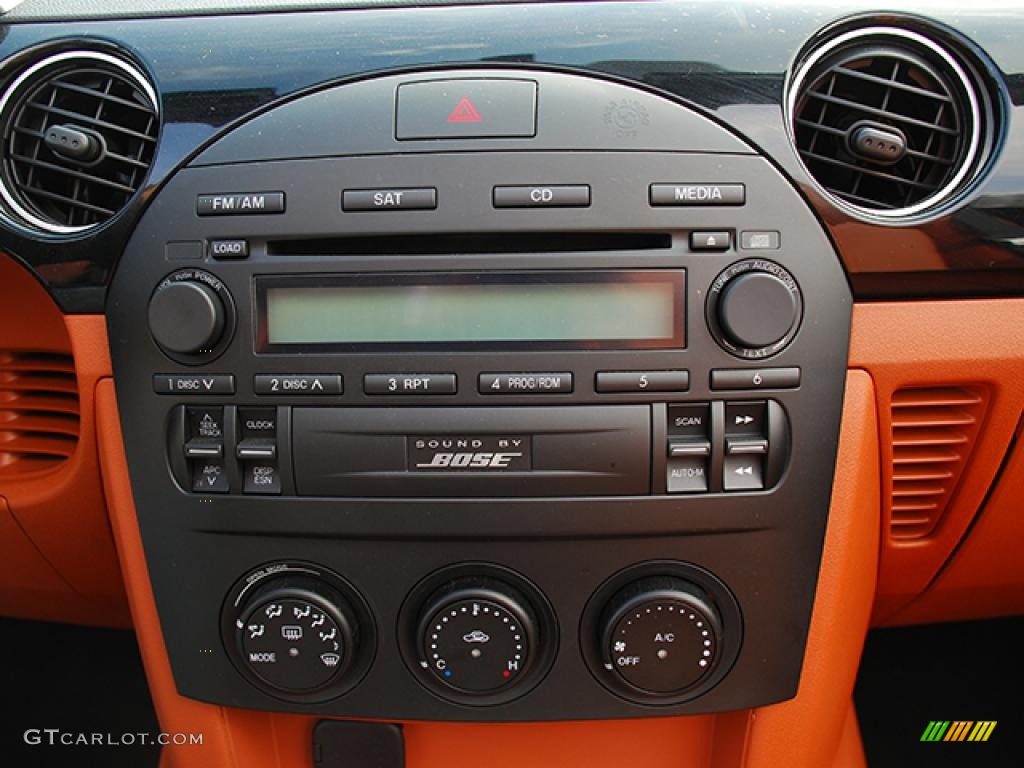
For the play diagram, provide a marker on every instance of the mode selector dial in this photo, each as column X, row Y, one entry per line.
column 189, row 315
column 754, row 308
column 478, row 636
column 296, row 634
column 661, row 636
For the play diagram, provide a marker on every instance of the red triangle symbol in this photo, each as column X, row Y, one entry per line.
column 465, row 112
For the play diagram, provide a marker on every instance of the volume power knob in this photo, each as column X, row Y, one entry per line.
column 754, row 308
column 188, row 314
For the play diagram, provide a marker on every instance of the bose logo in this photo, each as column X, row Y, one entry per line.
column 469, row 460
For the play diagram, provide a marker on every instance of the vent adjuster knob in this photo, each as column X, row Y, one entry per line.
column 74, row 143
column 877, row 143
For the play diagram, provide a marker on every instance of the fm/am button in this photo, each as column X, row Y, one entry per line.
column 240, row 203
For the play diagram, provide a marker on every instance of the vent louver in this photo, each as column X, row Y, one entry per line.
column 39, row 417
column 933, row 434
column 79, row 135
column 888, row 122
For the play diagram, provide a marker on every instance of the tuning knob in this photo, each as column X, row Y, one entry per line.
column 188, row 315
column 660, row 636
column 754, row 308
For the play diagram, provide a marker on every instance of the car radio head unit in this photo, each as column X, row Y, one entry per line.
column 567, row 378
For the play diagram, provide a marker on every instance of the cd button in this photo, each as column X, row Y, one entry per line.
column 560, row 196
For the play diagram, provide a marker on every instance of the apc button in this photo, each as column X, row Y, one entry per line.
column 560, row 196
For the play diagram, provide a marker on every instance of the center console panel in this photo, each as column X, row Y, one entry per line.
column 481, row 395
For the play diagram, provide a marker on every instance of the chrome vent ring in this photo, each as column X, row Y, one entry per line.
column 79, row 132
column 891, row 125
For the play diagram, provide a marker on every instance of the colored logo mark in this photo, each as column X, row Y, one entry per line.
column 958, row 730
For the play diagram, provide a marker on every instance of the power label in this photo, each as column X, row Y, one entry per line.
column 473, row 453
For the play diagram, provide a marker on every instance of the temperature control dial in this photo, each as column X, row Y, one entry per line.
column 661, row 636
column 478, row 636
column 297, row 634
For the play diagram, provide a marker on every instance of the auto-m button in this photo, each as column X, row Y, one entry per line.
column 689, row 448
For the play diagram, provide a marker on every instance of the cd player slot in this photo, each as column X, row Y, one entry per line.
column 444, row 244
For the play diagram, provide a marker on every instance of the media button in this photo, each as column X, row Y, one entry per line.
column 698, row 194
column 297, row 384
column 525, row 383
column 642, row 381
column 409, row 384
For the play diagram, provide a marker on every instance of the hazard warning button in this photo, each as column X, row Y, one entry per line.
column 456, row 108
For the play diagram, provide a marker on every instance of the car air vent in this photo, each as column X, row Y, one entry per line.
column 79, row 134
column 933, row 434
column 891, row 124
column 39, row 416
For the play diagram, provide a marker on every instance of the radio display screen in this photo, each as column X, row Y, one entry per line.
column 570, row 310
